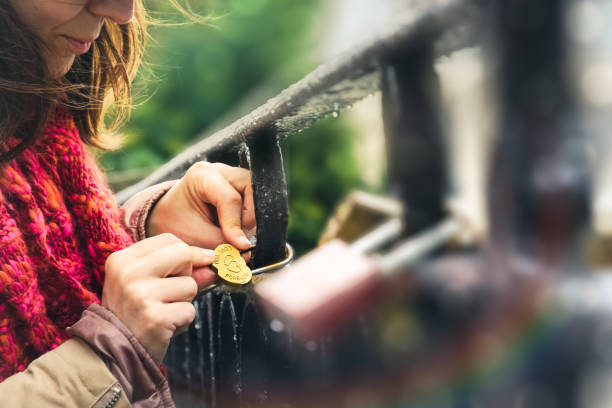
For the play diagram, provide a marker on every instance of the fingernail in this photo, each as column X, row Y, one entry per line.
column 244, row 241
column 208, row 253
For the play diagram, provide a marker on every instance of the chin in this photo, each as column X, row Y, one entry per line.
column 60, row 67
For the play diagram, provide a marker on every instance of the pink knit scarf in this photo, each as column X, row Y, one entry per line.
column 58, row 224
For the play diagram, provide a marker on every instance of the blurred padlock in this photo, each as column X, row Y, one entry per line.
column 358, row 214
column 599, row 251
column 335, row 282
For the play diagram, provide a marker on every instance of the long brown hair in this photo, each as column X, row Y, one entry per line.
column 98, row 79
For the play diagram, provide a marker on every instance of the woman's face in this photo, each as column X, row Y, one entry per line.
column 68, row 27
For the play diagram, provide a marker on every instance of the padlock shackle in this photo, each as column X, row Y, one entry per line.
column 418, row 246
column 379, row 236
column 289, row 254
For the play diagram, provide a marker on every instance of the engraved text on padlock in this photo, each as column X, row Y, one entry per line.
column 230, row 266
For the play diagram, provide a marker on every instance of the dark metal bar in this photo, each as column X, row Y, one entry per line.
column 415, row 154
column 539, row 183
column 270, row 196
column 228, row 358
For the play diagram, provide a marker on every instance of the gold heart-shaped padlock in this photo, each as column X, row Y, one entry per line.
column 230, row 266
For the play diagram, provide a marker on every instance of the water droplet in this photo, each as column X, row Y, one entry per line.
column 277, row 326
column 262, row 396
column 311, row 346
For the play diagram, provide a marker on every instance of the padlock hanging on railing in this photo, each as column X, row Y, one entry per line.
column 233, row 271
column 368, row 208
column 335, row 282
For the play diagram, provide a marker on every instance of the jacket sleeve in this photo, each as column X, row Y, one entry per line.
column 136, row 210
column 71, row 376
column 102, row 366
column 140, row 377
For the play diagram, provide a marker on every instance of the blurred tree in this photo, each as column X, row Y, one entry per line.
column 196, row 74
column 318, row 178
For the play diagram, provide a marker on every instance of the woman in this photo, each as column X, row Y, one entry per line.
column 87, row 314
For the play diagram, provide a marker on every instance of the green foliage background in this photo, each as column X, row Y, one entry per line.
column 197, row 74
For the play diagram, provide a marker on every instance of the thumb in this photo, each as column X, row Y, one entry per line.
column 231, row 225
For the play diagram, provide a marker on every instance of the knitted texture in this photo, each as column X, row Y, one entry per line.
column 58, row 224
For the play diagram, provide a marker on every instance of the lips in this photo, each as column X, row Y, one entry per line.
column 78, row 46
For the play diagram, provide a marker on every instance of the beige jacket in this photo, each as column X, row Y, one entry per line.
column 70, row 376
column 102, row 365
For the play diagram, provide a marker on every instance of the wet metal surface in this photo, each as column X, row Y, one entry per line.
column 270, row 197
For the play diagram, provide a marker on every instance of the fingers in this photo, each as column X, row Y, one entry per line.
column 149, row 288
column 150, row 245
column 212, row 204
column 209, row 236
column 202, row 256
column 240, row 179
column 172, row 289
column 171, row 260
column 226, row 194
column 204, row 276
column 181, row 314
column 248, row 211
column 165, row 255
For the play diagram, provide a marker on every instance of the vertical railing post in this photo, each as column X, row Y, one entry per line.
column 539, row 185
column 415, row 156
column 270, row 195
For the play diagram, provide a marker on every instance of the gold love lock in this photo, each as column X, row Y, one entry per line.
column 230, row 266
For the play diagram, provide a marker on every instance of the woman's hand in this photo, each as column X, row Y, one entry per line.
column 211, row 204
column 149, row 286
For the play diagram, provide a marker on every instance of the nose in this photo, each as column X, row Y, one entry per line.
column 121, row 11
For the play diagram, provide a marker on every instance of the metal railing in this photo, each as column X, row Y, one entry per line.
column 334, row 86
column 233, row 356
